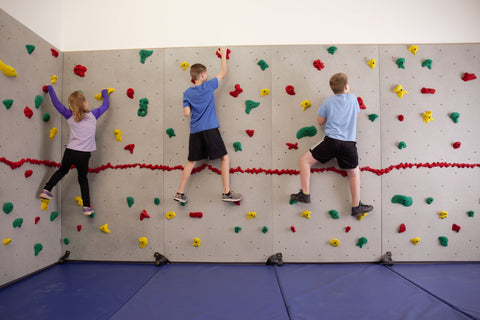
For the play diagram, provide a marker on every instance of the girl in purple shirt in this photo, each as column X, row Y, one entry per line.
column 82, row 123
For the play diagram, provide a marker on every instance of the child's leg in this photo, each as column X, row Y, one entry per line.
column 354, row 177
column 187, row 171
column 82, row 169
column 306, row 163
column 226, row 173
column 62, row 171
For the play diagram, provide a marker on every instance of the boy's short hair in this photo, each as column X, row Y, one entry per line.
column 196, row 70
column 338, row 82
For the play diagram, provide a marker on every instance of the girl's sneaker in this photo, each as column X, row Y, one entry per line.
column 46, row 195
column 87, row 211
column 180, row 197
column 300, row 197
column 231, row 196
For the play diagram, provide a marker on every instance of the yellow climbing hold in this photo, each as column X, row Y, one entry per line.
column 7, row 70
column 170, row 215
column 118, row 135
column 443, row 214
column 427, row 116
column 99, row 95
column 79, row 201
column 361, row 216
column 306, row 104
column 400, row 91
column 372, row 63
column 53, row 79
column 6, row 241
column 184, row 65
column 306, row 214
column 53, row 133
column 44, row 205
column 142, row 242
column 104, row 228
column 416, row 240
column 264, row 92
column 335, row 242
column 196, row 242
column 413, row 49
column 251, row 215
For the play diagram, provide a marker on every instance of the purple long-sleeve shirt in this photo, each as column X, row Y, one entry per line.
column 82, row 133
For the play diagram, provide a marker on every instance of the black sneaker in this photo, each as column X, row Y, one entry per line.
column 300, row 197
column 180, row 197
column 231, row 196
column 362, row 208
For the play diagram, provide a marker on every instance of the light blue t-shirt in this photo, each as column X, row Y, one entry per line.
column 201, row 100
column 341, row 113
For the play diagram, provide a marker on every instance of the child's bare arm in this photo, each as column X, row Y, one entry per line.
column 321, row 120
column 223, row 53
column 187, row 111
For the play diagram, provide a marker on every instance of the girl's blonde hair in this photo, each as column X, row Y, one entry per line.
column 76, row 103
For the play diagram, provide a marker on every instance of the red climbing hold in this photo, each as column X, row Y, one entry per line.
column 130, row 93
column 228, row 53
column 196, row 215
column 402, row 228
column 79, row 227
column 54, row 53
column 28, row 173
column 361, row 104
column 401, row 117
column 250, row 132
column 45, row 89
column 290, row 90
column 469, row 76
column 144, row 215
column 428, row 90
column 80, row 70
column 456, row 227
column 347, row 229
column 293, row 229
column 457, row 145
column 28, row 112
column 237, row 91
column 37, row 219
column 318, row 64
column 129, row 147
column 292, row 145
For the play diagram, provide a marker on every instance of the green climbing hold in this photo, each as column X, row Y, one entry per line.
column 92, row 215
column 7, row 207
column 144, row 54
column 402, row 145
column 292, row 202
column 142, row 111
column 7, row 103
column 332, row 49
column 333, row 214
column 156, row 201
column 38, row 101
column 403, row 200
column 238, row 229
column 306, row 132
column 427, row 63
column 400, row 63
column 250, row 104
column 18, row 223
column 30, row 48
column 130, row 202
column 46, row 117
column 264, row 229
column 170, row 132
column 37, row 248
column 454, row 116
column 263, row 64
column 443, row 241
column 237, row 146
column 429, row 200
column 471, row 213
column 361, row 242
column 53, row 215
column 372, row 117
column 66, row 241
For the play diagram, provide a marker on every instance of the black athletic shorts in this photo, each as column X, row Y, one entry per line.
column 345, row 152
column 207, row 144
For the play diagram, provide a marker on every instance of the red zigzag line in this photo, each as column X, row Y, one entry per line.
column 15, row 165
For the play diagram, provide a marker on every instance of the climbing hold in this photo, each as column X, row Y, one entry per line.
column 99, row 96
column 292, row 202
column 219, row 55
column 80, row 70
column 361, row 104
column 264, row 229
column 79, row 227
column 7, row 103
column 264, row 92
column 118, row 135
column 443, row 241
column 28, row 112
column 250, row 132
column 292, row 145
column 429, row 200
column 263, row 65
column 104, row 228
column 306, row 132
column 456, row 228
column 37, row 219
column 28, row 173
column 292, row 228
column 130, row 93
column 144, row 54
column 335, row 242
column 197, row 242
column 400, row 63
column 37, row 248
column 456, row 145
column 38, row 101
column 237, row 146
column 44, row 205
column 401, row 145
column 144, row 215
column 142, row 111
column 332, row 49
column 427, row 116
column 170, row 132
column 400, row 117
column 17, row 223
column 347, row 229
column 372, row 117
column 237, row 91
column 129, row 147
column 403, row 200
column 53, row 133
column 415, row 241
column 156, row 201
column 196, row 215
column 251, row 215
column 372, row 63
column 66, row 241
column 46, row 117
column 361, row 242
column 142, row 241
column 318, row 64
column 7, row 207
column 53, row 215
column 6, row 241
column 400, row 91
column 306, row 104
column 402, row 228
column 428, row 90
column 413, row 49
column 249, row 104
column 455, row 116
column 30, row 48
column 54, row 53
column 361, row 216
column 306, row 214
column 170, row 215
column 443, row 214
column 333, row 214
column 53, row 79
column 469, row 76
column 7, row 70
column 184, row 65
column 427, row 63
column 471, row 213
column 130, row 201
column 238, row 229
column 290, row 90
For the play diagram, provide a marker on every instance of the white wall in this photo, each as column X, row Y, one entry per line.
column 123, row 24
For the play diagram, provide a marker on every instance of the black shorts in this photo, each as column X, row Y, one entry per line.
column 345, row 152
column 207, row 144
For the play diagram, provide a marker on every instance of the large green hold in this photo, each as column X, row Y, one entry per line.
column 250, row 104
column 362, row 241
column 38, row 101
column 7, row 207
column 7, row 103
column 144, row 54
column 37, row 247
column 30, row 48
column 334, row 214
column 306, row 132
column 18, row 223
column 403, row 200
column 443, row 241
column 130, row 201
column 53, row 215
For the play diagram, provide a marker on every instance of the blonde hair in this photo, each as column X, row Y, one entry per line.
column 76, row 103
column 196, row 70
column 338, row 82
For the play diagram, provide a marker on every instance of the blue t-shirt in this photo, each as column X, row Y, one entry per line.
column 201, row 101
column 341, row 113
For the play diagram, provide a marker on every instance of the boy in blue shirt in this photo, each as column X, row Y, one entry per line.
column 339, row 114
column 205, row 140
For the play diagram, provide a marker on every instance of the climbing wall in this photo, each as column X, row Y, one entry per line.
column 30, row 236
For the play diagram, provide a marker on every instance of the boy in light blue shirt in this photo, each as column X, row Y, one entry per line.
column 339, row 114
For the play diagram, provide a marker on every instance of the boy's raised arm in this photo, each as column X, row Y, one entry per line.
column 223, row 53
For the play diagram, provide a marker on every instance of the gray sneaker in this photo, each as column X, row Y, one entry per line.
column 300, row 197
column 231, row 196
column 361, row 209
column 46, row 195
column 180, row 197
